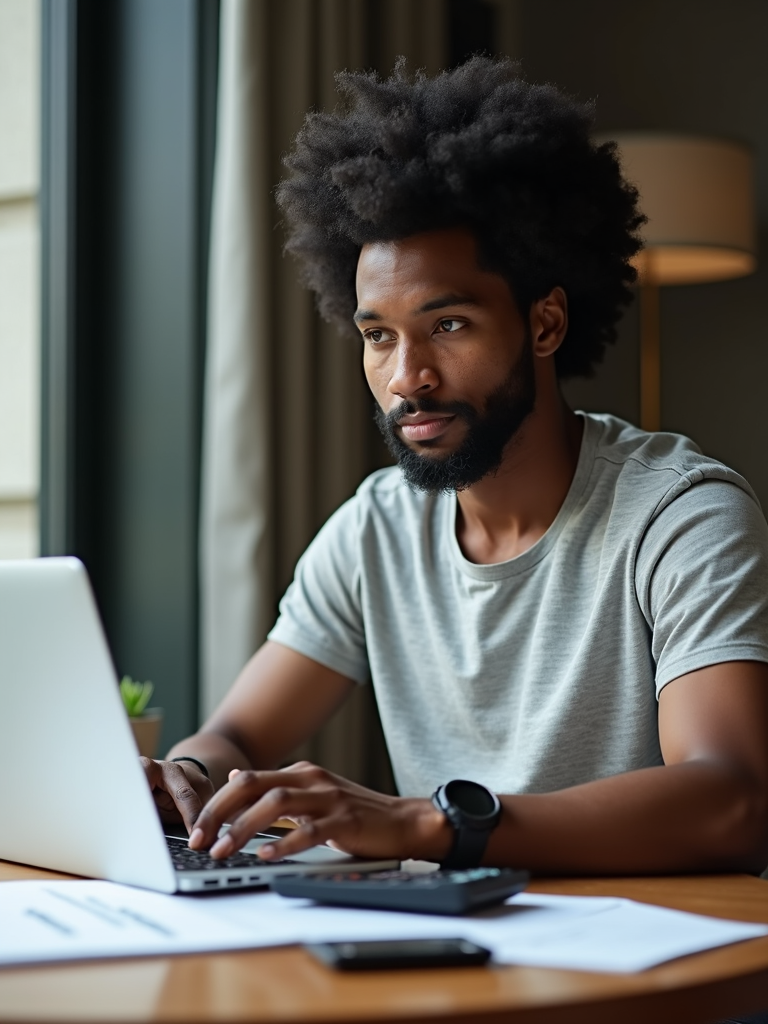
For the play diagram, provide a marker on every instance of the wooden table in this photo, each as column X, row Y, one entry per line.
column 282, row 985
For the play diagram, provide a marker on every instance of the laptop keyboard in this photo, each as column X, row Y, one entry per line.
column 185, row 859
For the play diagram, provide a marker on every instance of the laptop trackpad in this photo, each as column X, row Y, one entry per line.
column 322, row 855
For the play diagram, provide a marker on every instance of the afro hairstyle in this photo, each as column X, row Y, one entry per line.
column 474, row 147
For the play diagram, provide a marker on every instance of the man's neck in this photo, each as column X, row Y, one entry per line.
column 505, row 514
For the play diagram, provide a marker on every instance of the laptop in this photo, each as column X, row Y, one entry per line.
column 73, row 796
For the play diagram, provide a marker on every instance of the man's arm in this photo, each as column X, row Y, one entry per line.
column 280, row 699
column 706, row 809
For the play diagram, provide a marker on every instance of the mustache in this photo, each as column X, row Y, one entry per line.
column 409, row 407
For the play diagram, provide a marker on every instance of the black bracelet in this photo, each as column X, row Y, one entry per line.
column 194, row 760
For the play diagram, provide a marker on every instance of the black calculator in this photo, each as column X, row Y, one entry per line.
column 436, row 892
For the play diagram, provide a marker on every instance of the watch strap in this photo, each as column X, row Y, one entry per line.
column 468, row 847
column 470, row 836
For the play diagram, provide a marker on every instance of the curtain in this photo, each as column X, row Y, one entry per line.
column 287, row 431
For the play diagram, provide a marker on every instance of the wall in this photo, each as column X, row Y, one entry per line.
column 19, row 276
column 694, row 66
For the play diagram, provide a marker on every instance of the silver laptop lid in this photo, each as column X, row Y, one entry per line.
column 73, row 796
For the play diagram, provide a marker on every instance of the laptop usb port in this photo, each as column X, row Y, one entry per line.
column 234, row 881
column 211, row 882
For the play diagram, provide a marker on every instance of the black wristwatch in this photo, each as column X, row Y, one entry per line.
column 474, row 812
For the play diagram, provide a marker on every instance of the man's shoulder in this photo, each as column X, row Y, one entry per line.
column 661, row 465
column 623, row 444
column 389, row 512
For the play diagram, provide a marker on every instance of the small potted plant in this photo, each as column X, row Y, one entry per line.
column 145, row 722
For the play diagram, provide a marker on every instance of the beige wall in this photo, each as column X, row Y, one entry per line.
column 19, row 276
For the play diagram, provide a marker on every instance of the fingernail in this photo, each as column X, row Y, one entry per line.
column 196, row 837
column 233, row 773
column 223, row 847
column 267, row 851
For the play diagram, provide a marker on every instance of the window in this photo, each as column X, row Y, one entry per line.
column 19, row 276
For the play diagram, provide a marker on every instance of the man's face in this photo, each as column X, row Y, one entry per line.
column 447, row 356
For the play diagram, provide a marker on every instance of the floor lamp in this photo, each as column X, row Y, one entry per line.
column 698, row 196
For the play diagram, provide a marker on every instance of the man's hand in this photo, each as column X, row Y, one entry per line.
column 327, row 808
column 180, row 789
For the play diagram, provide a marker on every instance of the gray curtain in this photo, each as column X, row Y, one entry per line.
column 287, row 418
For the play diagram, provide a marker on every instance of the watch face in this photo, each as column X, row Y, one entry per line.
column 471, row 798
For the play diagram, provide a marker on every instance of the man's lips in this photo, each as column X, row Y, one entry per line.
column 425, row 427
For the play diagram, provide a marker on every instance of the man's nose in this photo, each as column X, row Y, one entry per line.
column 414, row 372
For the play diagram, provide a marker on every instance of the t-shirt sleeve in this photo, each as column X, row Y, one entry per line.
column 320, row 614
column 702, row 580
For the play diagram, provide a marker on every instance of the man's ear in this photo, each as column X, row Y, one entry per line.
column 549, row 322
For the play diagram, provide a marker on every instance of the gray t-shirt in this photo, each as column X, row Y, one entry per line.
column 543, row 671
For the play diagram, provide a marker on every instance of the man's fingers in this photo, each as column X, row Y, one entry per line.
column 278, row 802
column 185, row 797
column 152, row 769
column 242, row 791
column 311, row 833
column 326, row 807
column 174, row 781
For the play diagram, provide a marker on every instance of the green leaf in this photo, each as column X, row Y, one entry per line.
column 135, row 696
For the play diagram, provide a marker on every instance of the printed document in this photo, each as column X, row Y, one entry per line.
column 74, row 920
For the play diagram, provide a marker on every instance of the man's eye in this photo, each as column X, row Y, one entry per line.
column 378, row 335
column 449, row 326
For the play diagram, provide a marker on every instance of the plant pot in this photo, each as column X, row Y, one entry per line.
column 146, row 731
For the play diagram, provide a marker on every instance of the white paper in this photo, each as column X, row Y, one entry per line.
column 584, row 933
column 587, row 933
column 42, row 921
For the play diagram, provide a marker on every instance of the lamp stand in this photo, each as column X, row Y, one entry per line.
column 650, row 355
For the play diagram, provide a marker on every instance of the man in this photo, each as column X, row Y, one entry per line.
column 566, row 611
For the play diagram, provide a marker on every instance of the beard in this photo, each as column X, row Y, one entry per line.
column 488, row 432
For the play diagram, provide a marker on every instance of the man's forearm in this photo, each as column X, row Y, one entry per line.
column 694, row 816
column 218, row 753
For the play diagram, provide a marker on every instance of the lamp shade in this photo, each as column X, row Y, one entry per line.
column 698, row 196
